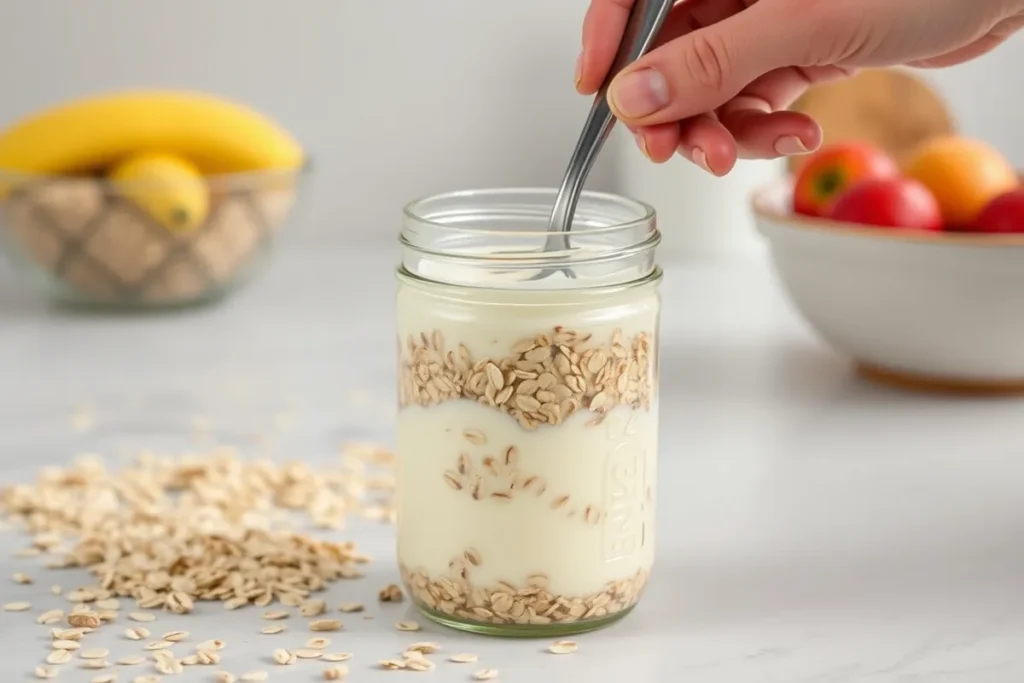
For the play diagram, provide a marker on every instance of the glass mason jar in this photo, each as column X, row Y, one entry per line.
column 527, row 428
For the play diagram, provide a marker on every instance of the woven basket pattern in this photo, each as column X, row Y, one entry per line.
column 104, row 247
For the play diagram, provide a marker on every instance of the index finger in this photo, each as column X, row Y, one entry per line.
column 602, row 32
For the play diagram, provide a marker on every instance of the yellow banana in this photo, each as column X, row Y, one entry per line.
column 167, row 187
column 217, row 135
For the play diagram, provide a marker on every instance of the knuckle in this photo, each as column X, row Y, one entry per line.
column 707, row 60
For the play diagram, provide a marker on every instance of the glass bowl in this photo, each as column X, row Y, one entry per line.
column 85, row 242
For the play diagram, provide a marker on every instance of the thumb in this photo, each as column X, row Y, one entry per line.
column 702, row 70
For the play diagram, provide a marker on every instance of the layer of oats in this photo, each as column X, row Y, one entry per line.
column 541, row 380
column 525, row 602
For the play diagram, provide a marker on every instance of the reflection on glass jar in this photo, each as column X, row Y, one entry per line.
column 527, row 430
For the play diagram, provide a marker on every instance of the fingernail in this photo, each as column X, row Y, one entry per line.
column 639, row 93
column 790, row 145
column 641, row 142
column 701, row 159
column 579, row 70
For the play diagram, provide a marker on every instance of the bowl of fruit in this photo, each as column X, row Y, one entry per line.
column 145, row 199
column 912, row 268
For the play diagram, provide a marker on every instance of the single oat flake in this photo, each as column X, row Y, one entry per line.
column 485, row 674
column 426, row 648
column 95, row 664
column 337, row 656
column 52, row 616
column 325, row 625
column 46, row 672
column 275, row 615
column 350, row 607
column 272, row 629
column 335, row 673
column 407, row 626
column 420, row 664
column 318, row 643
column 463, row 658
column 213, row 644
column 390, row 593
column 562, row 647
column 254, row 676
column 18, row 607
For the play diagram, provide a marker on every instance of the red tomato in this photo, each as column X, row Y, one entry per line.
column 1004, row 214
column 833, row 169
column 889, row 203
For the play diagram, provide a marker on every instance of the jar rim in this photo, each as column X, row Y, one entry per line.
column 409, row 210
column 498, row 238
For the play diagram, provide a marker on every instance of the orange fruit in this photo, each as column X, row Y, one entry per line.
column 964, row 175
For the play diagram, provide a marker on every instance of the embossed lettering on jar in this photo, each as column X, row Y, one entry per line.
column 527, row 429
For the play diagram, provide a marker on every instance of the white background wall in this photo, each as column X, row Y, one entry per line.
column 394, row 98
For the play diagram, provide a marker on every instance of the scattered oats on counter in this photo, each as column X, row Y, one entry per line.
column 180, row 514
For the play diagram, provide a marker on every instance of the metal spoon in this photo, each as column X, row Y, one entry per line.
column 645, row 21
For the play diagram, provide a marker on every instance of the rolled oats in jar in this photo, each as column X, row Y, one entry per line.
column 527, row 429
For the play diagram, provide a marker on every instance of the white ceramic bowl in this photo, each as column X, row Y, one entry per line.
column 927, row 309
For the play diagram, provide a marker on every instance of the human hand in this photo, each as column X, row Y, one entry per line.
column 717, row 85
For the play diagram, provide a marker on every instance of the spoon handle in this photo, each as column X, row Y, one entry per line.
column 645, row 21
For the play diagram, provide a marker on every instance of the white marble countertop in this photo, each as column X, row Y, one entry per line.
column 812, row 527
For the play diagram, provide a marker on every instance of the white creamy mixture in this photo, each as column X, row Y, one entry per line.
column 610, row 467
